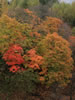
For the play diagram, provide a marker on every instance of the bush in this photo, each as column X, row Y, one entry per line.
column 42, row 26
column 23, row 81
column 65, row 11
column 13, row 31
column 73, row 31
column 33, row 56
column 58, row 62
column 24, row 3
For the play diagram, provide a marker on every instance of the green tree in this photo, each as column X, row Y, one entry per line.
column 44, row 2
column 58, row 62
column 73, row 31
column 65, row 12
column 3, row 6
column 24, row 3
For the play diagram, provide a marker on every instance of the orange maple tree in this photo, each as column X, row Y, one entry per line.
column 49, row 25
column 33, row 60
column 58, row 62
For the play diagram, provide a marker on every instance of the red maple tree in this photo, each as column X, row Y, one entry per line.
column 13, row 57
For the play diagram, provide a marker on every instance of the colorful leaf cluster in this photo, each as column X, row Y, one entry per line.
column 13, row 57
column 31, row 18
column 24, row 47
column 49, row 25
column 13, row 31
column 58, row 61
column 33, row 60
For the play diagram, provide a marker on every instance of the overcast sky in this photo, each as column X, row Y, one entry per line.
column 68, row 1
column 9, row 0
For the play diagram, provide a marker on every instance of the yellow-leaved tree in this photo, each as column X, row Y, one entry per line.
column 58, row 62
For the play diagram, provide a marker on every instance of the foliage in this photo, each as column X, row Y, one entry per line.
column 32, row 51
column 24, row 3
column 24, row 16
column 33, row 60
column 44, row 2
column 73, row 31
column 65, row 31
column 3, row 6
column 13, row 58
column 2, row 64
column 11, row 30
column 18, row 13
column 31, row 3
column 44, row 8
column 41, row 10
column 35, row 53
column 65, row 11
column 49, row 25
column 72, row 42
column 58, row 61
column 23, row 81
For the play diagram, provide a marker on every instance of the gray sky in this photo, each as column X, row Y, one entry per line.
column 67, row 1
column 9, row 0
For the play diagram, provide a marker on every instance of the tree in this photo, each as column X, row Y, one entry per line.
column 44, row 2
column 3, row 6
column 13, row 31
column 49, row 25
column 33, row 56
column 58, row 62
column 24, row 3
column 13, row 58
column 41, row 26
column 65, row 12
column 73, row 31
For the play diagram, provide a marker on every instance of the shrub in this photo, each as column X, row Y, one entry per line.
column 23, row 81
column 73, row 31
column 58, row 61
column 42, row 26
column 49, row 25
column 65, row 11
column 32, row 55
column 13, row 31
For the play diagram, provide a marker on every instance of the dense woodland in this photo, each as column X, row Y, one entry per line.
column 37, row 50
